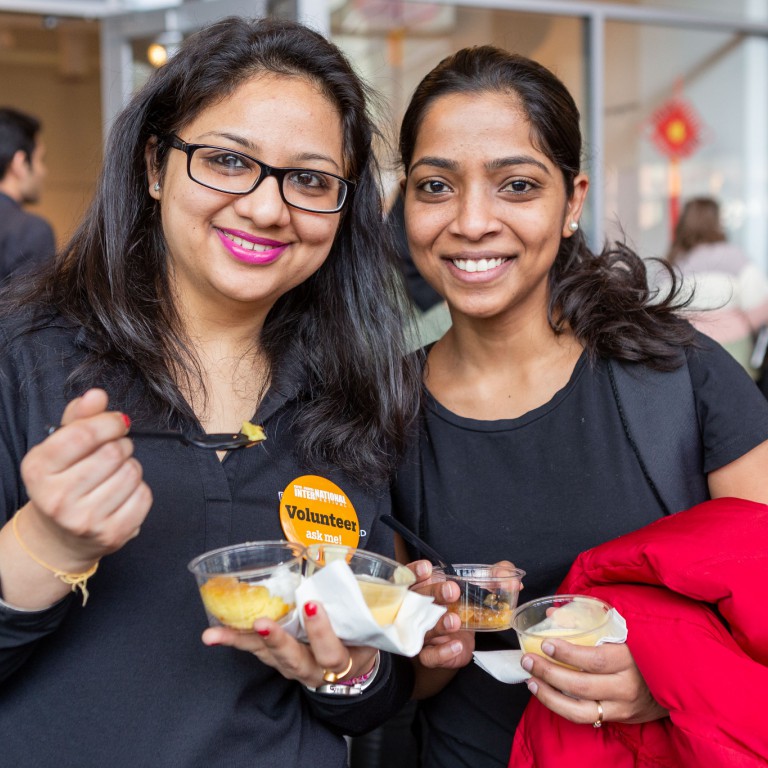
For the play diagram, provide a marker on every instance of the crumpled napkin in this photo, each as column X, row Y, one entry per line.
column 336, row 588
column 505, row 665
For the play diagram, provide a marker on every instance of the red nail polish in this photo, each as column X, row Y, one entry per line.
column 127, row 420
column 310, row 609
column 263, row 632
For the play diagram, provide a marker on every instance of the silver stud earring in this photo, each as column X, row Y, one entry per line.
column 573, row 226
column 157, row 186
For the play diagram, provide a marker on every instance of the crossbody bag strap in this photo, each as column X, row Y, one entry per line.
column 658, row 413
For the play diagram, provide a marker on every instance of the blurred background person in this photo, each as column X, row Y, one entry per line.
column 26, row 239
column 729, row 291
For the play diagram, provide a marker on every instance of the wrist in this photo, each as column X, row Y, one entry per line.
column 353, row 686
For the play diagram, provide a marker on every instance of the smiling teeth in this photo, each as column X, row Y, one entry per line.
column 247, row 244
column 477, row 265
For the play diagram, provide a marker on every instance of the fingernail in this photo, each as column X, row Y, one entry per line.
column 456, row 648
column 211, row 642
column 127, row 420
column 265, row 632
column 446, row 591
column 452, row 621
column 310, row 609
column 422, row 570
column 527, row 663
column 532, row 687
column 548, row 648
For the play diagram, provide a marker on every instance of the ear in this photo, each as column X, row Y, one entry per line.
column 575, row 204
column 153, row 171
column 402, row 186
column 20, row 164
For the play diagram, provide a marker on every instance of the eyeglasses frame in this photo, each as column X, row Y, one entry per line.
column 266, row 171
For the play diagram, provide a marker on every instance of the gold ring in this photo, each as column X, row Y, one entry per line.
column 599, row 722
column 334, row 677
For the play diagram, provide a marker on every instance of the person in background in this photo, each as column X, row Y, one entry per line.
column 233, row 266
column 729, row 292
column 524, row 451
column 26, row 239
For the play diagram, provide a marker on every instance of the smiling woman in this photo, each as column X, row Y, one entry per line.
column 524, row 451
column 225, row 273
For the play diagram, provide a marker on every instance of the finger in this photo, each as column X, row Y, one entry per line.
column 448, row 652
column 573, row 709
column 89, row 404
column 447, row 624
column 329, row 652
column 602, row 659
column 422, row 570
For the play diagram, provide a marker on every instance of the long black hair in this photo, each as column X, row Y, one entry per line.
column 344, row 324
column 603, row 298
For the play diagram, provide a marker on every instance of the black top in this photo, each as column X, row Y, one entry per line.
column 538, row 490
column 126, row 681
column 26, row 240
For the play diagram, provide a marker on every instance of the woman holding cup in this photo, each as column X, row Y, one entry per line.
column 523, row 451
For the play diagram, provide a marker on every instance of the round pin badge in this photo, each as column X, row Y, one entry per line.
column 313, row 509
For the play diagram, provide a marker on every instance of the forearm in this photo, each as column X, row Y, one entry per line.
column 428, row 682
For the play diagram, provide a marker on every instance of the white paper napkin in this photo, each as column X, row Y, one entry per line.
column 505, row 665
column 336, row 588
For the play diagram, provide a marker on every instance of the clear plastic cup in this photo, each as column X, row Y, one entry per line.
column 579, row 619
column 244, row 582
column 383, row 582
column 488, row 594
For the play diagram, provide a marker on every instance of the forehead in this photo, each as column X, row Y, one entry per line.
column 482, row 123
column 268, row 103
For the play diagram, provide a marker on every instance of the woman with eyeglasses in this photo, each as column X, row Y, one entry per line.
column 231, row 268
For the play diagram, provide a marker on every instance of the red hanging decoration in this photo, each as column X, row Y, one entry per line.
column 676, row 129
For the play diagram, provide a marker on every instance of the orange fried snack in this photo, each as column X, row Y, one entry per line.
column 238, row 604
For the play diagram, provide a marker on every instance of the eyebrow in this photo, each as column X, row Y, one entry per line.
column 493, row 165
column 250, row 148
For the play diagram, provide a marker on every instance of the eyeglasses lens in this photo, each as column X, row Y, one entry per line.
column 233, row 172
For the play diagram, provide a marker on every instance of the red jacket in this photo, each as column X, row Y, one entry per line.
column 667, row 579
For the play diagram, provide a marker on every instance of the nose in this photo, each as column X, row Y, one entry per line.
column 476, row 214
column 265, row 205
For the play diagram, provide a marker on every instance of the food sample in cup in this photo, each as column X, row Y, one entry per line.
column 579, row 619
column 238, row 604
column 383, row 582
column 488, row 594
column 249, row 581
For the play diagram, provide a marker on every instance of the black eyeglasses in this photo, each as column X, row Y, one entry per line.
column 236, row 173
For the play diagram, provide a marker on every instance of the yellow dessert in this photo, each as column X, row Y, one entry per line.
column 253, row 432
column 382, row 598
column 578, row 622
column 238, row 604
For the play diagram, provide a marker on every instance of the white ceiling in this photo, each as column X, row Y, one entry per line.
column 94, row 9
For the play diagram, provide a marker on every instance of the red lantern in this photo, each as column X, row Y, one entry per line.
column 676, row 129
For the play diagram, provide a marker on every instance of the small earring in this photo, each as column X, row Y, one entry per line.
column 157, row 186
column 573, row 226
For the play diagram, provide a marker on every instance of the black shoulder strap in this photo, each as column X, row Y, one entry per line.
column 658, row 411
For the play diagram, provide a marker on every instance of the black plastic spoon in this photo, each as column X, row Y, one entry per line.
column 476, row 594
column 213, row 442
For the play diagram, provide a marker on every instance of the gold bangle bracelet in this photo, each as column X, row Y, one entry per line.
column 78, row 581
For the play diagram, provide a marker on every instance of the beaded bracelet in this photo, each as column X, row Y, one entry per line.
column 363, row 678
column 77, row 581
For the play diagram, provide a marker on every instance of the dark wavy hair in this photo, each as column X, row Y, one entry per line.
column 603, row 298
column 344, row 324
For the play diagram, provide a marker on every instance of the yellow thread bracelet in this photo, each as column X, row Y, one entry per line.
column 75, row 580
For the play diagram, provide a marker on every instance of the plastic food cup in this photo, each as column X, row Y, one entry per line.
column 488, row 596
column 383, row 582
column 579, row 619
column 244, row 582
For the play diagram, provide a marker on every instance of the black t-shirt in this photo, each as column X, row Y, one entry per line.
column 538, row 490
column 126, row 680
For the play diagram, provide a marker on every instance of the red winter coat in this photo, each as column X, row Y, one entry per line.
column 667, row 579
